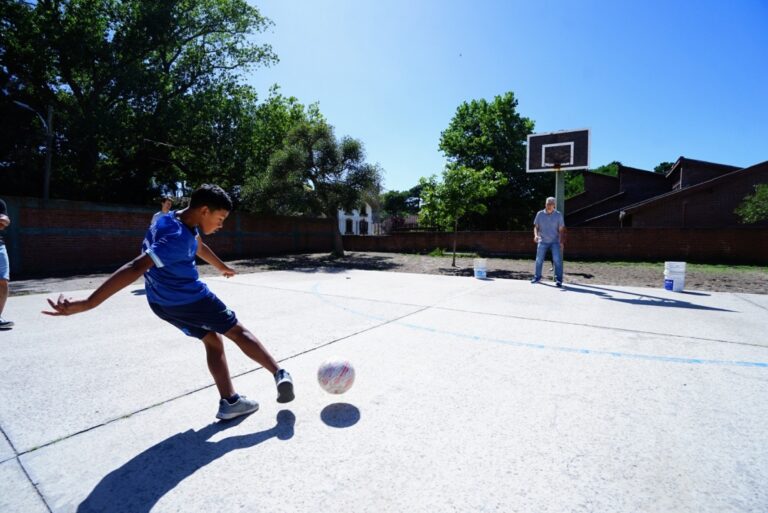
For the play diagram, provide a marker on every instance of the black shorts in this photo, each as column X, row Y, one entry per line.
column 199, row 318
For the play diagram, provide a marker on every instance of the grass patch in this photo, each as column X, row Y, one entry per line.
column 440, row 252
column 707, row 268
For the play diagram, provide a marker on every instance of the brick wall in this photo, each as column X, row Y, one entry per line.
column 64, row 237
column 741, row 245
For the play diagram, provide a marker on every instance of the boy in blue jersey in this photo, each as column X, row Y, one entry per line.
column 176, row 294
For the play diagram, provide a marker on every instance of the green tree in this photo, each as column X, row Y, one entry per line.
column 754, row 208
column 313, row 174
column 663, row 167
column 463, row 190
column 493, row 134
column 574, row 182
column 119, row 73
column 400, row 203
column 611, row 169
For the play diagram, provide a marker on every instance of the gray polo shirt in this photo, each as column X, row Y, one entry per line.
column 549, row 225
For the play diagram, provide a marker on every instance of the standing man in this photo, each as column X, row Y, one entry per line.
column 166, row 202
column 5, row 267
column 549, row 234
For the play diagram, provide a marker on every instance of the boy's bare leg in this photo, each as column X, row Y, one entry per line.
column 217, row 364
column 3, row 295
column 250, row 345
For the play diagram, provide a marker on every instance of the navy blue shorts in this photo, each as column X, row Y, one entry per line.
column 199, row 318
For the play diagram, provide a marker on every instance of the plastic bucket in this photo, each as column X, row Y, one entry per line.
column 674, row 281
column 674, row 276
column 480, row 269
column 674, row 267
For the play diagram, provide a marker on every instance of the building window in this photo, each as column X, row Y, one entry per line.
column 348, row 230
column 363, row 227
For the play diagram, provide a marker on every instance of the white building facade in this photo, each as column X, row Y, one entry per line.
column 357, row 222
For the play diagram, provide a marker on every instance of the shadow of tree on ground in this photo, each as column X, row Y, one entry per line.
column 319, row 263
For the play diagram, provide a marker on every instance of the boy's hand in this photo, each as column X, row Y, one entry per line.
column 227, row 271
column 65, row 306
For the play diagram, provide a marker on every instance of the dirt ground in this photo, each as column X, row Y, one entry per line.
column 705, row 278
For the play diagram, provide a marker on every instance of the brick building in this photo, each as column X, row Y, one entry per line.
column 692, row 194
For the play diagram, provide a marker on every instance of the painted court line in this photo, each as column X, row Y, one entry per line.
column 615, row 354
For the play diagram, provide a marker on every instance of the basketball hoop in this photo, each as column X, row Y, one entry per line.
column 558, row 151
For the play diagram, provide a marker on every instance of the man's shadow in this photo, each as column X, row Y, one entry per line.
column 642, row 299
column 137, row 486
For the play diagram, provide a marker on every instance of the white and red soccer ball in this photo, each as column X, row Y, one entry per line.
column 336, row 375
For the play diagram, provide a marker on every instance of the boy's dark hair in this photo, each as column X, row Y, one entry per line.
column 211, row 196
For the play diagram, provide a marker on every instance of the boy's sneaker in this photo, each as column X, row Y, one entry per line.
column 284, row 386
column 535, row 280
column 5, row 325
column 559, row 284
column 242, row 406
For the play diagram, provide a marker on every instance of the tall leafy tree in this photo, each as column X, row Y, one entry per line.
column 463, row 190
column 663, row 167
column 398, row 203
column 493, row 134
column 754, row 208
column 314, row 173
column 119, row 73
column 574, row 181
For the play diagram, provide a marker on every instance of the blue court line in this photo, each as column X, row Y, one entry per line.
column 561, row 349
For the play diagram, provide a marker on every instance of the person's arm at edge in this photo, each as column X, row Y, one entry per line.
column 120, row 279
column 207, row 254
column 5, row 221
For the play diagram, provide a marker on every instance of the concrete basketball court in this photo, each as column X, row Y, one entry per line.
column 471, row 395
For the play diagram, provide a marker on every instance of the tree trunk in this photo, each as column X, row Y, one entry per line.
column 338, row 242
column 455, row 235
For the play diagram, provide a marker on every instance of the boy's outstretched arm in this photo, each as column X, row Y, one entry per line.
column 207, row 254
column 120, row 279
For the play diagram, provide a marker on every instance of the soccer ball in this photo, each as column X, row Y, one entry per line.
column 336, row 375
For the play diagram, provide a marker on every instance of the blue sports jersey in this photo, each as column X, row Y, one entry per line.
column 173, row 280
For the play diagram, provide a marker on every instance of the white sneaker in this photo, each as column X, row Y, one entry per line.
column 243, row 406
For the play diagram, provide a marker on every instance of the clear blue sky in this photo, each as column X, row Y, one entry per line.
column 653, row 80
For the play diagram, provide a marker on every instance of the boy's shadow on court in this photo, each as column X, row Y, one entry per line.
column 137, row 486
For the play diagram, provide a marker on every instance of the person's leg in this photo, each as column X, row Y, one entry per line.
column 3, row 294
column 250, row 345
column 558, row 259
column 541, row 251
column 5, row 275
column 217, row 364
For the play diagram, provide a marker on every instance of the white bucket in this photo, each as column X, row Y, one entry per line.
column 480, row 269
column 674, row 276
column 674, row 267
column 674, row 282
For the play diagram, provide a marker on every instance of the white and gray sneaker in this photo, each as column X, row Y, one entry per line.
column 5, row 325
column 243, row 406
column 284, row 386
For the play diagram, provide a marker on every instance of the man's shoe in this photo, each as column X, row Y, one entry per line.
column 243, row 406
column 284, row 386
column 535, row 280
column 5, row 325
